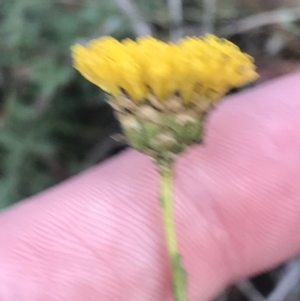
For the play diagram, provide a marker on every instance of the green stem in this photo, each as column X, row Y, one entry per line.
column 166, row 200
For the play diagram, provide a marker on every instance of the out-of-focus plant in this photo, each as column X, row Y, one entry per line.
column 161, row 93
column 48, row 117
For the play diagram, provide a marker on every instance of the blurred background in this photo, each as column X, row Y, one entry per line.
column 54, row 123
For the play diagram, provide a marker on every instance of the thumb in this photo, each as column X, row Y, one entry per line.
column 99, row 235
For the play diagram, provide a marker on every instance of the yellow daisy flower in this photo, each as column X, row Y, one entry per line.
column 159, row 90
column 161, row 93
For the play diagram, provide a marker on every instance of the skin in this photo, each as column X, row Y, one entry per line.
column 99, row 235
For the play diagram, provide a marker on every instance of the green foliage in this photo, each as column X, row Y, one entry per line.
column 50, row 117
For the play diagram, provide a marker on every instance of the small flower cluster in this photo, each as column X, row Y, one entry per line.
column 197, row 69
column 160, row 91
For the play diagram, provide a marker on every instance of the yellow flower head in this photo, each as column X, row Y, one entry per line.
column 197, row 69
column 161, row 92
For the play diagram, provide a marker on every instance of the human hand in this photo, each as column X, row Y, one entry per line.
column 99, row 235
